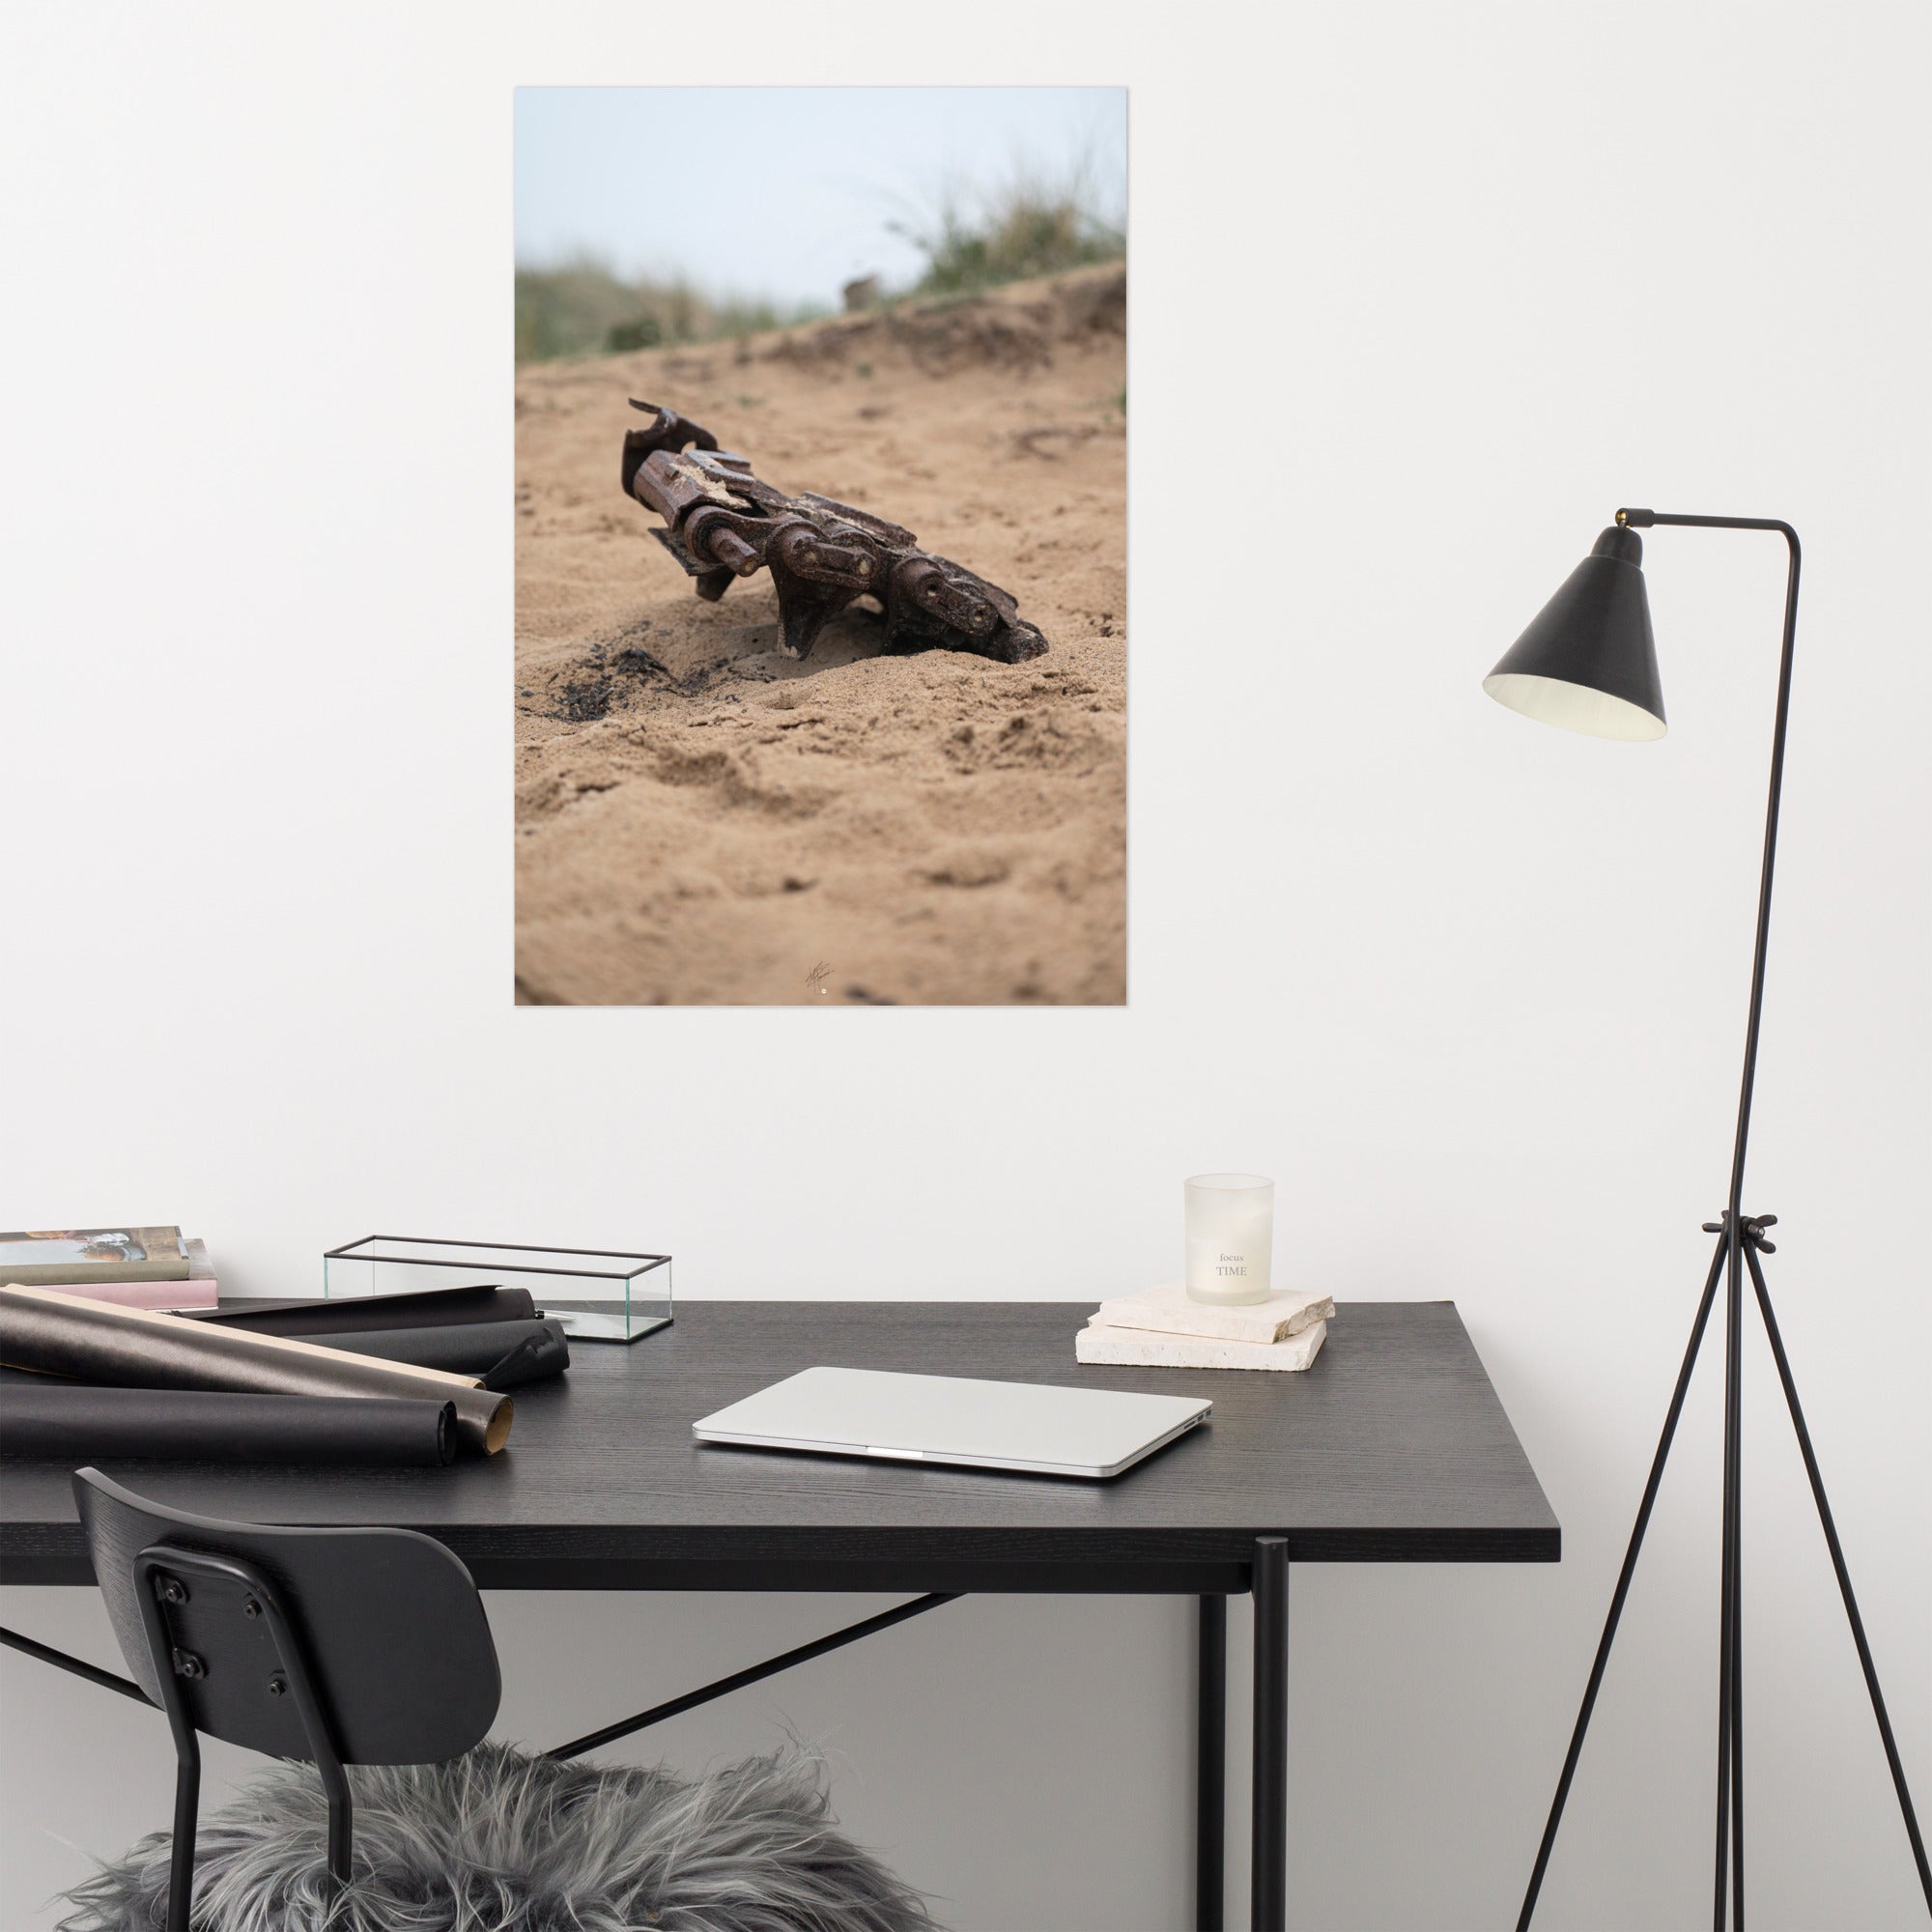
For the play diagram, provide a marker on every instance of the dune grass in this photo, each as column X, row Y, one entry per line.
column 1035, row 224
column 583, row 309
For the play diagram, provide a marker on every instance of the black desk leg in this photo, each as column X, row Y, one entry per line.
column 1210, row 1766
column 1269, row 1892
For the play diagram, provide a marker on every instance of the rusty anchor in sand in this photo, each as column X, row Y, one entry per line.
column 721, row 522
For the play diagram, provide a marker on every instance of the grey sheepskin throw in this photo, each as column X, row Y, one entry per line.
column 496, row 1841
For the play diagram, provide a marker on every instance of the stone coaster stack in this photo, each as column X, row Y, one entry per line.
column 1162, row 1328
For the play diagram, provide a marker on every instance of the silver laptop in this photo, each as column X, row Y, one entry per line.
column 1045, row 1432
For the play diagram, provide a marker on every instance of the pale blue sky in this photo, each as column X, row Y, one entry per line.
column 787, row 192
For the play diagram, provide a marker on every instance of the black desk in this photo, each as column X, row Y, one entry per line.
column 1391, row 1448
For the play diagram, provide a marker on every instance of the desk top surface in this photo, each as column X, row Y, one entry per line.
column 1392, row 1446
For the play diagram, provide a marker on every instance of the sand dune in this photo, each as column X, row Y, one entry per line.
column 700, row 820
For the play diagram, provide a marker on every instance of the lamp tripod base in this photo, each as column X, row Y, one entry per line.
column 1741, row 1240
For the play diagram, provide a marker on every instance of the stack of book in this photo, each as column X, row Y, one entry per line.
column 131, row 1268
column 1162, row 1328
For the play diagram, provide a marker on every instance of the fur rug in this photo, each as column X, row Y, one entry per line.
column 496, row 1841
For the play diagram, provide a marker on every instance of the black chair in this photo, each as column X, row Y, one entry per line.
column 330, row 1646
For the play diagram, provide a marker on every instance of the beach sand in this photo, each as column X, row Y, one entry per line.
column 702, row 821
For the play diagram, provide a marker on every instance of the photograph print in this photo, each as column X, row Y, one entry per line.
column 820, row 545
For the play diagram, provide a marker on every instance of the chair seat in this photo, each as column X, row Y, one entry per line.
column 500, row 1841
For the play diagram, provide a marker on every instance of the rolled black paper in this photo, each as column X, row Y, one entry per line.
column 465, row 1347
column 139, row 1348
column 363, row 1314
column 524, row 1363
column 69, row 1423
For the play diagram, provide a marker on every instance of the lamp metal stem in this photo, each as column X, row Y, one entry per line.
column 1730, row 1859
column 1641, row 519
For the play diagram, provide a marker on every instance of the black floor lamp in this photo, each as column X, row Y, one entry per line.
column 1587, row 663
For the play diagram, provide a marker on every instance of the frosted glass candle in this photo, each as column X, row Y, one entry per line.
column 1230, row 1237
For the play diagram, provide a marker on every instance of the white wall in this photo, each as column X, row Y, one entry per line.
column 1420, row 296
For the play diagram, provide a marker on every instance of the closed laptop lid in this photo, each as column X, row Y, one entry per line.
column 954, row 1419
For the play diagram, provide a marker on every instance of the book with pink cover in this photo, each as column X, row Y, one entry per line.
column 165, row 1295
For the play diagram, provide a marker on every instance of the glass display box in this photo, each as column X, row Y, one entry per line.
column 599, row 1297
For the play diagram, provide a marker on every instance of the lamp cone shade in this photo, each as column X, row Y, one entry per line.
column 1588, row 661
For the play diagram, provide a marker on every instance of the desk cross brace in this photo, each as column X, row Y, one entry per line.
column 107, row 1680
column 61, row 1661
column 738, row 1679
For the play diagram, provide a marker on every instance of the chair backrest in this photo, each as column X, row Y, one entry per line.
column 390, row 1630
